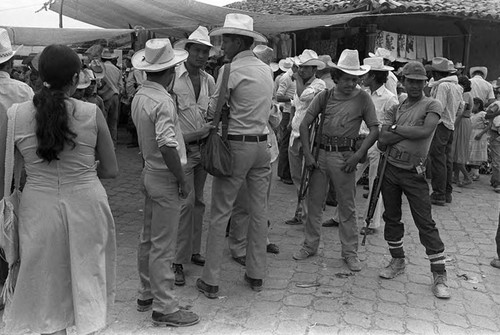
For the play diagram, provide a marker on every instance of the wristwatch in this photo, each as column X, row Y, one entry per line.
column 392, row 128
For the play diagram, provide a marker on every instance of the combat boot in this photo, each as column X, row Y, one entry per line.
column 396, row 267
column 440, row 286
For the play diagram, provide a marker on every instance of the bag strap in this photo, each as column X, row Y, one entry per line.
column 219, row 111
column 322, row 111
column 13, row 165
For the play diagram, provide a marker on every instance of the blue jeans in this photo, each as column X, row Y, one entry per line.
column 441, row 161
column 396, row 182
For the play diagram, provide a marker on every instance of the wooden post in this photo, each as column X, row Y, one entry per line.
column 371, row 35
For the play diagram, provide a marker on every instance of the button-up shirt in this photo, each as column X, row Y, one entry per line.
column 12, row 91
column 383, row 100
column 112, row 79
column 286, row 88
column 392, row 83
column 449, row 93
column 250, row 94
column 481, row 89
column 192, row 113
column 155, row 117
column 301, row 104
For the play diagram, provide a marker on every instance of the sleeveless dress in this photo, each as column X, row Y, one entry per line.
column 66, row 233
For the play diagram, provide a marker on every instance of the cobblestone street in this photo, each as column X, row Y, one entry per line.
column 343, row 303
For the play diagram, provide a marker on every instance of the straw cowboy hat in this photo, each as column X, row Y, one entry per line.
column 199, row 36
column 349, row 63
column 377, row 64
column 442, row 64
column 239, row 24
column 459, row 66
column 384, row 53
column 6, row 51
column 482, row 69
column 158, row 56
column 310, row 58
column 327, row 60
column 108, row 54
column 83, row 80
column 285, row 64
column 264, row 53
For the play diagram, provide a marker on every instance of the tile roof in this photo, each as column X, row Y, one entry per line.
column 482, row 9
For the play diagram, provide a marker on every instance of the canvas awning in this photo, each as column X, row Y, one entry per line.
column 179, row 18
column 47, row 36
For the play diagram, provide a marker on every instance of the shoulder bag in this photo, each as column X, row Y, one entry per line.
column 216, row 156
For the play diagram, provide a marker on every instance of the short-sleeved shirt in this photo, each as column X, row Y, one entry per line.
column 12, row 91
column 408, row 114
column 383, row 100
column 449, row 93
column 287, row 88
column 343, row 116
column 155, row 117
column 192, row 113
column 250, row 95
column 481, row 89
column 301, row 104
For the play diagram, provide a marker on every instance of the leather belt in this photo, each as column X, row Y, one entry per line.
column 336, row 141
column 329, row 148
column 247, row 138
column 197, row 142
column 402, row 156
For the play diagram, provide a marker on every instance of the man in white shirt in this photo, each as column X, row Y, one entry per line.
column 11, row 91
column 480, row 88
column 392, row 81
column 193, row 88
column 308, row 86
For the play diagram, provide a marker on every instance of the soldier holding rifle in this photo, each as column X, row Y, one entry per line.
column 408, row 131
column 344, row 109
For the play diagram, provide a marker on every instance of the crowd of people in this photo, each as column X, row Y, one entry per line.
column 323, row 122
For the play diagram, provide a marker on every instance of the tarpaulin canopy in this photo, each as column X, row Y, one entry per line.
column 178, row 18
column 47, row 36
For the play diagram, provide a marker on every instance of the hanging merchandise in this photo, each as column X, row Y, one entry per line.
column 411, row 48
column 402, row 45
column 438, row 47
column 429, row 47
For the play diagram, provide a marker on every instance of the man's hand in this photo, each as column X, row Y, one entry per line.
column 311, row 163
column 205, row 129
column 183, row 190
column 351, row 163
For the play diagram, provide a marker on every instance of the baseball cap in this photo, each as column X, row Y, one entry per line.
column 414, row 70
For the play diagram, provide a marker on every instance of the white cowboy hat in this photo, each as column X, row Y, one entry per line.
column 199, row 36
column 349, row 63
column 327, row 60
column 310, row 58
column 6, row 51
column 158, row 56
column 274, row 66
column 384, row 53
column 482, row 69
column 264, row 53
column 83, row 80
column 285, row 64
column 108, row 54
column 239, row 24
column 459, row 65
column 442, row 64
column 377, row 64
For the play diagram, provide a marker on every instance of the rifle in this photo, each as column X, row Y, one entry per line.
column 375, row 194
column 316, row 130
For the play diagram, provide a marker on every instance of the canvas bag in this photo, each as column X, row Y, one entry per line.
column 216, row 156
column 9, row 205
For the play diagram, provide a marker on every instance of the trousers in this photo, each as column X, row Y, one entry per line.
column 112, row 109
column 156, row 251
column 441, row 161
column 251, row 164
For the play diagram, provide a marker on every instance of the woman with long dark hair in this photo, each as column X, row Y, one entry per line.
column 66, row 229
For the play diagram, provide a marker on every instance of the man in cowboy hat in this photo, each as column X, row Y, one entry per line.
column 392, row 81
column 284, row 94
column 11, row 91
column 308, row 86
column 408, row 130
column 342, row 108
column 326, row 73
column 249, row 96
column 383, row 100
column 480, row 88
column 193, row 88
column 164, row 184
column 448, row 92
column 109, row 90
